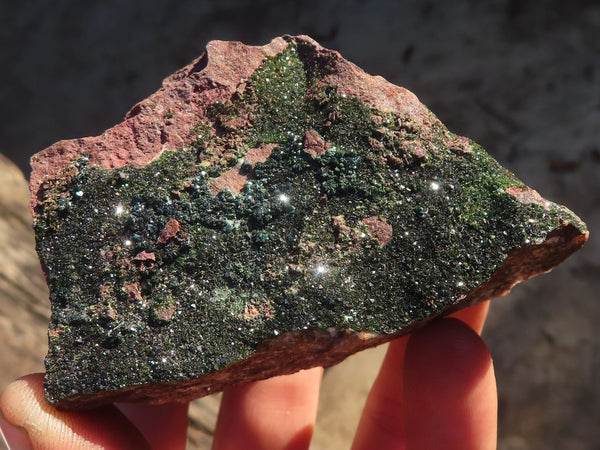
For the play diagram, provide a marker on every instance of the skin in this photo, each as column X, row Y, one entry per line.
column 436, row 389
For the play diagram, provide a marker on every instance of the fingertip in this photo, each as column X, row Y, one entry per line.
column 19, row 398
column 449, row 388
column 446, row 344
column 248, row 413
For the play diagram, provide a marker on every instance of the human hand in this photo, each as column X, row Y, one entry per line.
column 436, row 389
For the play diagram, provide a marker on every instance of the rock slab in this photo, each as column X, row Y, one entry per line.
column 269, row 209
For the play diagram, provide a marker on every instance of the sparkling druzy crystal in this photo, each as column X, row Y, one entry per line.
column 269, row 209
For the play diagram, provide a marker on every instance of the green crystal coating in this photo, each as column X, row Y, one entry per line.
column 291, row 251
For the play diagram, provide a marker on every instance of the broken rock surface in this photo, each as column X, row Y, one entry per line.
column 269, row 209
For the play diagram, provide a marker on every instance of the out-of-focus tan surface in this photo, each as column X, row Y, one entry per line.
column 24, row 307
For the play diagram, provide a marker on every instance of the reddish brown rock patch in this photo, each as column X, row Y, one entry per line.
column 527, row 195
column 145, row 256
column 146, row 259
column 461, row 145
column 379, row 229
column 234, row 179
column 133, row 291
column 166, row 313
column 256, row 311
column 169, row 231
column 314, row 144
column 415, row 149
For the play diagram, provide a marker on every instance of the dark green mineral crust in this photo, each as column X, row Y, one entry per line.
column 156, row 277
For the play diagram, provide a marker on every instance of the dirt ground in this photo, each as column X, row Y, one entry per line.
column 521, row 77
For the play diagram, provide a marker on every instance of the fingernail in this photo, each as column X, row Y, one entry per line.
column 13, row 438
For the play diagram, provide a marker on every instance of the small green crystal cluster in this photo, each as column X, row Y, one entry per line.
column 291, row 251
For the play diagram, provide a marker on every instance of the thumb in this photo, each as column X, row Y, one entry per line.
column 23, row 404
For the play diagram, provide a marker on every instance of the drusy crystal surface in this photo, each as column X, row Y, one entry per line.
column 300, row 209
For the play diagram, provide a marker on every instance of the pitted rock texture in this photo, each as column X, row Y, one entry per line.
column 269, row 209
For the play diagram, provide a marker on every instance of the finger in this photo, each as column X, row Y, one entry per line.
column 164, row 426
column 474, row 316
column 278, row 413
column 23, row 404
column 450, row 398
column 381, row 421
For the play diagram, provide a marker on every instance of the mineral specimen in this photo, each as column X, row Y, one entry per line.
column 269, row 209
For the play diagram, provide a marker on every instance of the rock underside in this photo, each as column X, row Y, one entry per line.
column 269, row 209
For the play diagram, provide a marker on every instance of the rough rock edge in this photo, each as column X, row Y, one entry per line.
column 213, row 77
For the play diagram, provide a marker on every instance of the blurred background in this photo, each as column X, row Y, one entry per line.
column 522, row 78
